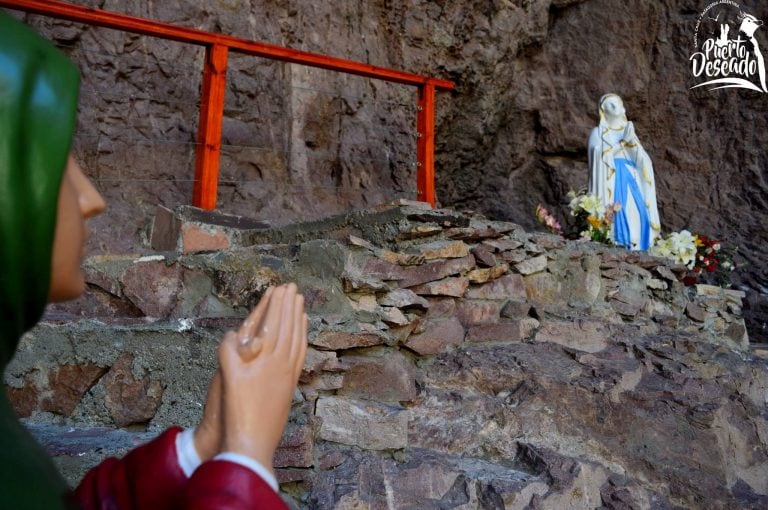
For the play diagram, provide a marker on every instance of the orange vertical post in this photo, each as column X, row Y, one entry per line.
column 214, row 88
column 425, row 144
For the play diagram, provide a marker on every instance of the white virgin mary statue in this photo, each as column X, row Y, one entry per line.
column 621, row 172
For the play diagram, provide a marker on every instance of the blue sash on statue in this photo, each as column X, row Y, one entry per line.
column 625, row 182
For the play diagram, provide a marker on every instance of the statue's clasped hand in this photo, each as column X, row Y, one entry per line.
column 250, row 395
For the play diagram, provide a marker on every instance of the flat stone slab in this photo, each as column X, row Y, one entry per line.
column 365, row 424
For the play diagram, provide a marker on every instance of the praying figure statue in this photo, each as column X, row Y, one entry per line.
column 621, row 172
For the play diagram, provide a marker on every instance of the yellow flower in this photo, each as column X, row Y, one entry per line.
column 594, row 221
column 698, row 242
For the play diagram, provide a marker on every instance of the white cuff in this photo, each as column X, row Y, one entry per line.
column 186, row 452
column 252, row 464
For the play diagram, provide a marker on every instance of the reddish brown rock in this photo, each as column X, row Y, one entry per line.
column 514, row 256
column 548, row 241
column 507, row 287
column 375, row 267
column 436, row 271
column 454, row 287
column 440, row 307
column 165, row 230
column 696, row 312
column 438, row 335
column 400, row 334
column 331, row 460
column 196, row 237
column 23, row 400
column 296, row 447
column 67, row 385
column 152, row 286
column 484, row 255
column 516, row 310
column 290, row 475
column 388, row 377
column 319, row 361
column 471, row 312
column 335, row 340
column 472, row 235
column 130, row 400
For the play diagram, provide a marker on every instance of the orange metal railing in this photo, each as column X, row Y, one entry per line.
column 217, row 48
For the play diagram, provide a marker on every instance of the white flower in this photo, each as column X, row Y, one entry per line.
column 679, row 246
column 683, row 246
column 716, row 247
column 593, row 205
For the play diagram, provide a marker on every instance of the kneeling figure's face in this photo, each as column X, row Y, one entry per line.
column 78, row 200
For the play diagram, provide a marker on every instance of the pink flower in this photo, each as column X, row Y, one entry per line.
column 543, row 216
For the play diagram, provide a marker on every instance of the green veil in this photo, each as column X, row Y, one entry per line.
column 38, row 101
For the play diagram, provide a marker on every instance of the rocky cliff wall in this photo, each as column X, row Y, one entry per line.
column 304, row 143
column 455, row 363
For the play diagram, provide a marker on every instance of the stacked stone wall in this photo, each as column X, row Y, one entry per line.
column 454, row 362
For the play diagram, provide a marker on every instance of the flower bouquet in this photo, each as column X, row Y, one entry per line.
column 705, row 257
column 594, row 221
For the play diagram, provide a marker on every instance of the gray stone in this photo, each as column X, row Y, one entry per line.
column 666, row 273
column 544, row 288
column 584, row 335
column 513, row 331
column 394, row 316
column 501, row 245
column 364, row 424
column 533, row 265
column 510, row 286
column 359, row 283
column 403, row 298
